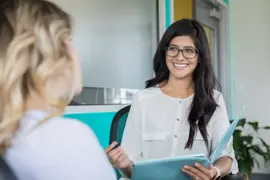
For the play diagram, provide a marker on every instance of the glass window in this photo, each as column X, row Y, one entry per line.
column 115, row 41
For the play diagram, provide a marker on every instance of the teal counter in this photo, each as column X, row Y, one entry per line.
column 99, row 122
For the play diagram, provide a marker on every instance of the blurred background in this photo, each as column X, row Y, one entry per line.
column 116, row 40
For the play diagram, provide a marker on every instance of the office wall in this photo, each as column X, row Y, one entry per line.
column 249, row 22
column 114, row 37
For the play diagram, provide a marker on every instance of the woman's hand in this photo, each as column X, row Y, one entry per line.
column 199, row 172
column 118, row 157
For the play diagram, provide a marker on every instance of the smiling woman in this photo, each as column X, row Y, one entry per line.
column 179, row 112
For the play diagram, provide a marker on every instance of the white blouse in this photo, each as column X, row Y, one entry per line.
column 58, row 149
column 157, row 127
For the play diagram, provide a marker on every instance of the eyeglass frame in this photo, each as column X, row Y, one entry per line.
column 181, row 50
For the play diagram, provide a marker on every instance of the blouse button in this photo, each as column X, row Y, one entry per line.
column 178, row 119
column 180, row 102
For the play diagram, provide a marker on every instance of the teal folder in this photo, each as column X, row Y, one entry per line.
column 170, row 168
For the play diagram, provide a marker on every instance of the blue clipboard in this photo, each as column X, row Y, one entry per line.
column 169, row 168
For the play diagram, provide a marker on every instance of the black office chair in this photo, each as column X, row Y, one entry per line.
column 118, row 125
column 117, row 129
column 5, row 172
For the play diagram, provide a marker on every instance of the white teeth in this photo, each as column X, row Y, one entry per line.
column 180, row 65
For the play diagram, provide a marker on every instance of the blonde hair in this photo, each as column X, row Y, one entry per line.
column 34, row 57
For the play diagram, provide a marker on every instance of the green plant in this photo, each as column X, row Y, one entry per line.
column 246, row 148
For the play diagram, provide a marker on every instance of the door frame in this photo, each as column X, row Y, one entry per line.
column 224, row 55
column 224, row 59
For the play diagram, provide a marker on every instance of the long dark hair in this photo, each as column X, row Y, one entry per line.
column 203, row 105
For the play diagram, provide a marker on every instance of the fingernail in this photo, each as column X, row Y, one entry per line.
column 196, row 164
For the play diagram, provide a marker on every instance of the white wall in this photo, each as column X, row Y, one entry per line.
column 250, row 61
column 115, row 40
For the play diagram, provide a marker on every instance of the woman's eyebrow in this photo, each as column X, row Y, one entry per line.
column 174, row 45
column 183, row 46
column 189, row 47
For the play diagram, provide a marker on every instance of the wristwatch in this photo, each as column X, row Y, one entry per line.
column 218, row 173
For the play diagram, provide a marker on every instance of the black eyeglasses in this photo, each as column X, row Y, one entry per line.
column 187, row 52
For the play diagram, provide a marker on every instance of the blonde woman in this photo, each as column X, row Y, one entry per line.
column 39, row 76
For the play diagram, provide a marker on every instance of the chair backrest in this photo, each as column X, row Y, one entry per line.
column 118, row 125
column 5, row 171
column 117, row 129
